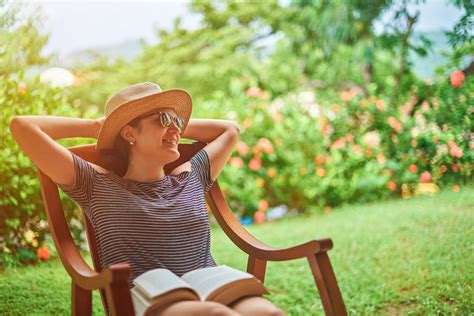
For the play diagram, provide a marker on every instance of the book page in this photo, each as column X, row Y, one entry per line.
column 158, row 281
column 206, row 280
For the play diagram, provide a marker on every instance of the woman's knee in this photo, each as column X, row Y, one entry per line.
column 216, row 309
column 198, row 309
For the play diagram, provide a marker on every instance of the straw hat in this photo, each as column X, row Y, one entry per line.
column 136, row 100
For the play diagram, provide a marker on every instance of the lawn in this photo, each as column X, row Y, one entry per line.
column 394, row 257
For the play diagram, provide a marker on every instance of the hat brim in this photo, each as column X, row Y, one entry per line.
column 177, row 99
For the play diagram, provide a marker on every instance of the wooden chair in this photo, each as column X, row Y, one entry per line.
column 113, row 281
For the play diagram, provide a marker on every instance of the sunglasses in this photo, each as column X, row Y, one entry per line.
column 166, row 119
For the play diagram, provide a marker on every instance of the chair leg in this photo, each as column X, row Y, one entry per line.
column 81, row 300
column 257, row 267
column 119, row 300
column 327, row 285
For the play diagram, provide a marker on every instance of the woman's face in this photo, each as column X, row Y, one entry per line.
column 155, row 141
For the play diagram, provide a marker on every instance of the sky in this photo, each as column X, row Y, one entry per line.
column 76, row 24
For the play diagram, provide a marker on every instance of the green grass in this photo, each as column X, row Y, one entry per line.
column 393, row 257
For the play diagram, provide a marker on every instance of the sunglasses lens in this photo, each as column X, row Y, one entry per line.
column 165, row 119
column 180, row 123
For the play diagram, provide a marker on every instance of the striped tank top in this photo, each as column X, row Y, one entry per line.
column 158, row 224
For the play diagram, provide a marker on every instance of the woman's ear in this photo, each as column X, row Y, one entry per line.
column 129, row 133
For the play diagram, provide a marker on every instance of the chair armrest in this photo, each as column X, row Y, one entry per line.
column 248, row 243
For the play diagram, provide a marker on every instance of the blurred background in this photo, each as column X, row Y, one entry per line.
column 340, row 102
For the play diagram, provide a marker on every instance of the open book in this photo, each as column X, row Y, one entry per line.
column 159, row 288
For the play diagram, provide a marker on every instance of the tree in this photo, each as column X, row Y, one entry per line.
column 21, row 41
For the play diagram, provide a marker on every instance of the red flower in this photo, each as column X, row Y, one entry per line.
column 413, row 168
column 43, row 253
column 457, row 78
column 425, row 177
column 255, row 164
column 443, row 168
column 454, row 167
column 456, row 188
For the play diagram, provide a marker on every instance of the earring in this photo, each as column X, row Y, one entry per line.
column 131, row 143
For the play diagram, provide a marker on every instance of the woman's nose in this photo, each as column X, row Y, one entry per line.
column 174, row 127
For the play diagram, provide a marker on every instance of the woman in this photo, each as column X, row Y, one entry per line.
column 140, row 215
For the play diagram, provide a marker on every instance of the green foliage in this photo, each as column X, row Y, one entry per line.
column 22, row 218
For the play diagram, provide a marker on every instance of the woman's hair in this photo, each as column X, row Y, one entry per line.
column 117, row 159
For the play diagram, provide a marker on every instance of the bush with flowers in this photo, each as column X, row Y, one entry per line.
column 23, row 225
column 347, row 148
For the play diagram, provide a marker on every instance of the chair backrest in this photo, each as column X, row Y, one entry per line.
column 66, row 248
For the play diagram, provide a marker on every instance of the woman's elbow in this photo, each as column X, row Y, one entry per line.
column 234, row 128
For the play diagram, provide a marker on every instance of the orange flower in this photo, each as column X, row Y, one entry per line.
column 392, row 185
column 380, row 105
column 271, row 172
column 350, row 138
column 456, row 188
column 358, row 150
column 247, row 123
column 451, row 143
column 456, row 151
column 457, row 78
column 413, row 168
column 262, row 206
column 319, row 159
column 336, row 108
column 328, row 159
column 395, row 124
column 253, row 92
column 414, row 143
column 259, row 217
column 321, row 172
column 242, row 148
column 277, row 116
column 435, row 139
column 425, row 177
column 381, row 158
column 443, row 168
column 259, row 182
column 236, row 162
column 265, row 145
column 327, row 209
column 43, row 253
column 395, row 139
column 368, row 153
column 339, row 143
column 255, row 164
column 21, row 88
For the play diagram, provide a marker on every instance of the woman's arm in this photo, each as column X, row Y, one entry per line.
column 36, row 134
column 221, row 137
